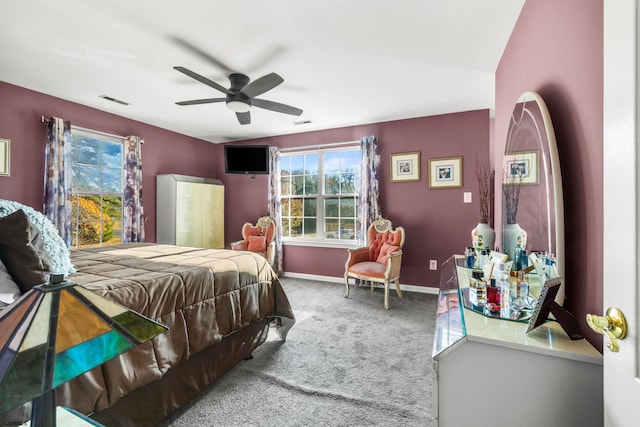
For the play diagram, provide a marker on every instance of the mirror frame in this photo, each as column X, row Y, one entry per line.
column 556, row 175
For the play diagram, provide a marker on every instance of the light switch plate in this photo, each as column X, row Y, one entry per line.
column 433, row 264
column 467, row 197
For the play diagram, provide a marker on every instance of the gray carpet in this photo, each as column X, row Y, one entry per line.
column 346, row 362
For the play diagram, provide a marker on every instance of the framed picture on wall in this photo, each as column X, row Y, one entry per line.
column 405, row 167
column 521, row 167
column 445, row 172
column 5, row 156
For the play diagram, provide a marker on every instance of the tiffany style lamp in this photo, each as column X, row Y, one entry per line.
column 54, row 333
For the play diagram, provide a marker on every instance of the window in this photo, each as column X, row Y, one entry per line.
column 319, row 194
column 97, row 189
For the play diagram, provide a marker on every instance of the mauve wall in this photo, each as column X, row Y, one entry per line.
column 20, row 121
column 437, row 222
column 556, row 49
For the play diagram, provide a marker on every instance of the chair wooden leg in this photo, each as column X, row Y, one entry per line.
column 386, row 295
column 399, row 292
column 346, row 282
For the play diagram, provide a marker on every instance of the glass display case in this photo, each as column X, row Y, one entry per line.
column 475, row 354
column 450, row 326
column 477, row 294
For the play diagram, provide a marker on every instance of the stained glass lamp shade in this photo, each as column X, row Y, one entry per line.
column 56, row 332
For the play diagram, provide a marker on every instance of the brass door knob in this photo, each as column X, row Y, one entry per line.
column 613, row 324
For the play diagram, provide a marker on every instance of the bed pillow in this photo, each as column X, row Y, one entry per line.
column 9, row 290
column 257, row 243
column 22, row 251
column 53, row 243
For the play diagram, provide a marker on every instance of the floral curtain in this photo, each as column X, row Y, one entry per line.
column 133, row 212
column 57, row 177
column 274, row 206
column 368, row 192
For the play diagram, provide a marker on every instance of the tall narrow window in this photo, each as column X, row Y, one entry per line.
column 97, row 187
column 319, row 194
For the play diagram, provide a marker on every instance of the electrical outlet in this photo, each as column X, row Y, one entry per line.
column 433, row 264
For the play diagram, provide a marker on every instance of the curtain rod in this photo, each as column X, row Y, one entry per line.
column 46, row 120
column 318, row 146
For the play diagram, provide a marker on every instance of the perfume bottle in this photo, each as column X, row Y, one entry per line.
column 469, row 254
column 504, row 287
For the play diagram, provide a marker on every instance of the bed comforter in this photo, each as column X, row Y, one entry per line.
column 204, row 296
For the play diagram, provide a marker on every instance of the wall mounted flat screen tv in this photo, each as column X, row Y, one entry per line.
column 246, row 159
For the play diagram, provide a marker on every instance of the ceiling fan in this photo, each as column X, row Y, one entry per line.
column 241, row 94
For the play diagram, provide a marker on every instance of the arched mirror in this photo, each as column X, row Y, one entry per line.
column 533, row 211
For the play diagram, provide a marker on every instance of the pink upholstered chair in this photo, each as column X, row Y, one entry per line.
column 380, row 261
column 258, row 238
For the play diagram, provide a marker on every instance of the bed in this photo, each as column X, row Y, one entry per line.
column 218, row 304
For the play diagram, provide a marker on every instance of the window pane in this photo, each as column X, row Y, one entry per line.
column 85, row 179
column 347, row 229
column 111, row 180
column 331, row 208
column 311, row 166
column 285, row 227
column 347, row 207
column 117, row 233
column 310, row 207
column 297, row 165
column 284, row 207
column 285, row 165
column 309, row 227
column 348, row 183
column 285, row 186
column 112, row 206
column 331, row 226
column 350, row 161
column 331, row 184
column 88, row 150
column 311, row 184
column 296, row 228
column 296, row 208
column 111, row 154
column 297, row 185
column 331, row 162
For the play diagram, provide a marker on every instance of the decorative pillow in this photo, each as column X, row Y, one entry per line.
column 385, row 250
column 53, row 243
column 9, row 290
column 22, row 251
column 257, row 243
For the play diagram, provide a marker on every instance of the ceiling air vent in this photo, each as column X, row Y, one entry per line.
column 108, row 98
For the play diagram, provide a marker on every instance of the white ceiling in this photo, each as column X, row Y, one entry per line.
column 344, row 62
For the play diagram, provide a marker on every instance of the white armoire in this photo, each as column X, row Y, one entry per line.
column 189, row 211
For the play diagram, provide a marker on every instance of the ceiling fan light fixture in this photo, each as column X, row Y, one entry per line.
column 239, row 106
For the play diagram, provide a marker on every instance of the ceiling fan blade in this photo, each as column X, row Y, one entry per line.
column 202, row 101
column 244, row 118
column 202, row 79
column 215, row 61
column 261, row 85
column 276, row 106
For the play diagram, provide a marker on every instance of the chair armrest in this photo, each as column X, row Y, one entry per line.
column 357, row 255
column 240, row 245
column 393, row 264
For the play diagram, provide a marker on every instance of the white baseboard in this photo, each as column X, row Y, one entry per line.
column 408, row 288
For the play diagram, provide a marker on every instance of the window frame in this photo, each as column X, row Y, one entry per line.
column 100, row 136
column 320, row 197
